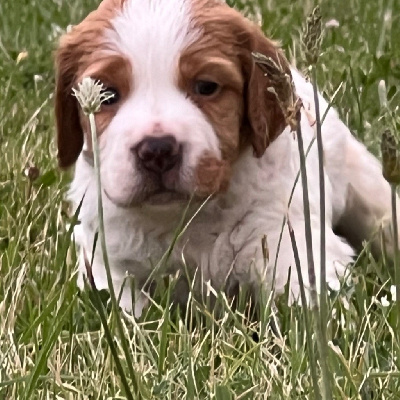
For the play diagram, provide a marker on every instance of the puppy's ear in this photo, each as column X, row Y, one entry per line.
column 77, row 49
column 69, row 130
column 265, row 120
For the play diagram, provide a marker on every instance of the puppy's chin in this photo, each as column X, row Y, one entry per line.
column 159, row 197
column 167, row 197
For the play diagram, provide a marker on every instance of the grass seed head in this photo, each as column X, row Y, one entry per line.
column 312, row 36
column 390, row 158
column 32, row 172
column 282, row 86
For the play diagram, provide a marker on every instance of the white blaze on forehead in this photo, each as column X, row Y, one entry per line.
column 152, row 34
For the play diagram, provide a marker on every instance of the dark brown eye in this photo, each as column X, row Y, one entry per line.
column 205, row 88
column 110, row 100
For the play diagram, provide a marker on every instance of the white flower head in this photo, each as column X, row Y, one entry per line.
column 393, row 292
column 385, row 302
column 332, row 23
column 90, row 94
column 382, row 93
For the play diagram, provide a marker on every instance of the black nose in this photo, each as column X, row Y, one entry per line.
column 159, row 154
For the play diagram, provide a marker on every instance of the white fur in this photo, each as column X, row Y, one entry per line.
column 224, row 239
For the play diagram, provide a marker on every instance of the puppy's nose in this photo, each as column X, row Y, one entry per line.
column 159, row 154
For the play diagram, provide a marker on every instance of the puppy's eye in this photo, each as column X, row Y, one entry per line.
column 205, row 88
column 110, row 100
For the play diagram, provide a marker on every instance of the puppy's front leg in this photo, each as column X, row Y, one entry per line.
column 250, row 265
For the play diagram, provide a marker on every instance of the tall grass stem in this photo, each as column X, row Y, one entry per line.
column 103, row 245
column 310, row 343
column 396, row 252
column 320, row 147
column 321, row 343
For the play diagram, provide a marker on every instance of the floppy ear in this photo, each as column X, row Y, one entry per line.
column 69, row 130
column 76, row 49
column 265, row 120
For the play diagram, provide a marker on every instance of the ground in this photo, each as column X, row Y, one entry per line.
column 52, row 344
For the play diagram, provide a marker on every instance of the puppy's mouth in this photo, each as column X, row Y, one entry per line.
column 155, row 197
column 159, row 189
column 165, row 196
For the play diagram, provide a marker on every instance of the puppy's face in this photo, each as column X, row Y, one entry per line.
column 188, row 97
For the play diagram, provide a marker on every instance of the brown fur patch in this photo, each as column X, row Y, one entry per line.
column 77, row 51
column 226, row 30
column 224, row 109
column 114, row 72
column 244, row 111
column 212, row 176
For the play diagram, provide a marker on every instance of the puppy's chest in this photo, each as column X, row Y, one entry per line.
column 207, row 239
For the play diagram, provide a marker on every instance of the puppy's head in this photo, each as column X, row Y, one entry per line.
column 188, row 97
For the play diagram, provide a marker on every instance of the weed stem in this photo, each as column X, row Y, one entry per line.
column 321, row 343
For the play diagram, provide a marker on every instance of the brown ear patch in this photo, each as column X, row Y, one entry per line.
column 265, row 120
column 69, row 130
column 77, row 50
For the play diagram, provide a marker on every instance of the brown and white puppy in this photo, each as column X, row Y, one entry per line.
column 192, row 117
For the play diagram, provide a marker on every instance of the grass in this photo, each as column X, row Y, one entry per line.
column 52, row 344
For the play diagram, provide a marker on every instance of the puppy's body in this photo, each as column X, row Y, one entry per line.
column 230, row 145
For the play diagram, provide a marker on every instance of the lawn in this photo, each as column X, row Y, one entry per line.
column 52, row 343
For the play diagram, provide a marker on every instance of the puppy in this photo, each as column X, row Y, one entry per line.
column 192, row 122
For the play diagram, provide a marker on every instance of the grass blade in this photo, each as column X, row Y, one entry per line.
column 45, row 351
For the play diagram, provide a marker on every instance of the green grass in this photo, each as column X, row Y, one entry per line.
column 52, row 343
